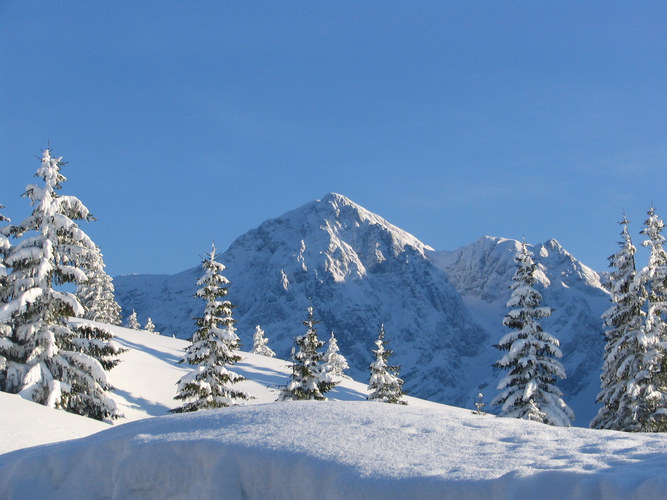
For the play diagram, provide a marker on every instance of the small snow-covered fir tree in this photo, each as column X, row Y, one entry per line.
column 654, row 278
column 213, row 348
column 528, row 391
column 309, row 379
column 150, row 327
column 479, row 404
column 384, row 384
column 96, row 294
column 334, row 362
column 260, row 343
column 45, row 359
column 623, row 387
column 132, row 322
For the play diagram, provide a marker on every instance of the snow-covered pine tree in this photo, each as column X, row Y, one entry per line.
column 96, row 294
column 528, row 390
column 309, row 379
column 132, row 322
column 210, row 384
column 97, row 342
column 654, row 278
column 45, row 361
column 5, row 328
column 5, row 246
column 260, row 343
column 384, row 384
column 623, row 387
column 150, row 327
column 334, row 362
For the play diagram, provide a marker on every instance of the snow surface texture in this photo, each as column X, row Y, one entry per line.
column 301, row 450
column 298, row 450
column 442, row 310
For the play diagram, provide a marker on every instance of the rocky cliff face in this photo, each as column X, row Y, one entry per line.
column 442, row 310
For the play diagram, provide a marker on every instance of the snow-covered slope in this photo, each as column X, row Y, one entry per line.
column 359, row 271
column 482, row 272
column 442, row 310
column 145, row 386
column 300, row 450
column 345, row 448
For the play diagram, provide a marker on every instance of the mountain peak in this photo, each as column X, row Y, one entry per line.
column 341, row 213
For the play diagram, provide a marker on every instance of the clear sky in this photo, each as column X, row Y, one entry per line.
column 184, row 122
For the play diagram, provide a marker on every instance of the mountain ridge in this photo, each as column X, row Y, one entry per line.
column 442, row 310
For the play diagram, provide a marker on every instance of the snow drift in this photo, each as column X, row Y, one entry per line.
column 301, row 450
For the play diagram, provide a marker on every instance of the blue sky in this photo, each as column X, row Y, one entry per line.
column 184, row 122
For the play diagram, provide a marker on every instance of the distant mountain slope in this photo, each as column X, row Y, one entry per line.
column 482, row 273
column 357, row 269
column 442, row 310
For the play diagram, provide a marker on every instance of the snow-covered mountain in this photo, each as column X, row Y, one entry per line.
column 442, row 310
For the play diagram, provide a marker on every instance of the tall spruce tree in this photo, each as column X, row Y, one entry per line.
column 623, row 387
column 5, row 328
column 384, row 384
column 45, row 359
column 213, row 347
column 96, row 294
column 654, row 278
column 5, row 246
column 309, row 379
column 528, row 391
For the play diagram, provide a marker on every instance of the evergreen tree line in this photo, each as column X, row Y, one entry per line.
column 51, row 360
column 214, row 350
column 634, row 374
column 633, row 390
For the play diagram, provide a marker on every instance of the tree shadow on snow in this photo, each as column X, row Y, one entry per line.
column 150, row 407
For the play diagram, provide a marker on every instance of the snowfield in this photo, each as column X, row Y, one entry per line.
column 346, row 448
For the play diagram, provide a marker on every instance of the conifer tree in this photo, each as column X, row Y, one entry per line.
column 260, row 343
column 384, row 384
column 5, row 246
column 334, row 362
column 96, row 294
column 210, row 384
column 132, row 322
column 5, row 328
column 97, row 342
column 528, row 390
column 654, row 278
column 623, row 388
column 150, row 327
column 309, row 379
column 45, row 359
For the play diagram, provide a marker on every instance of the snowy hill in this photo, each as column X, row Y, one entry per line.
column 301, row 450
column 442, row 310
column 145, row 386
